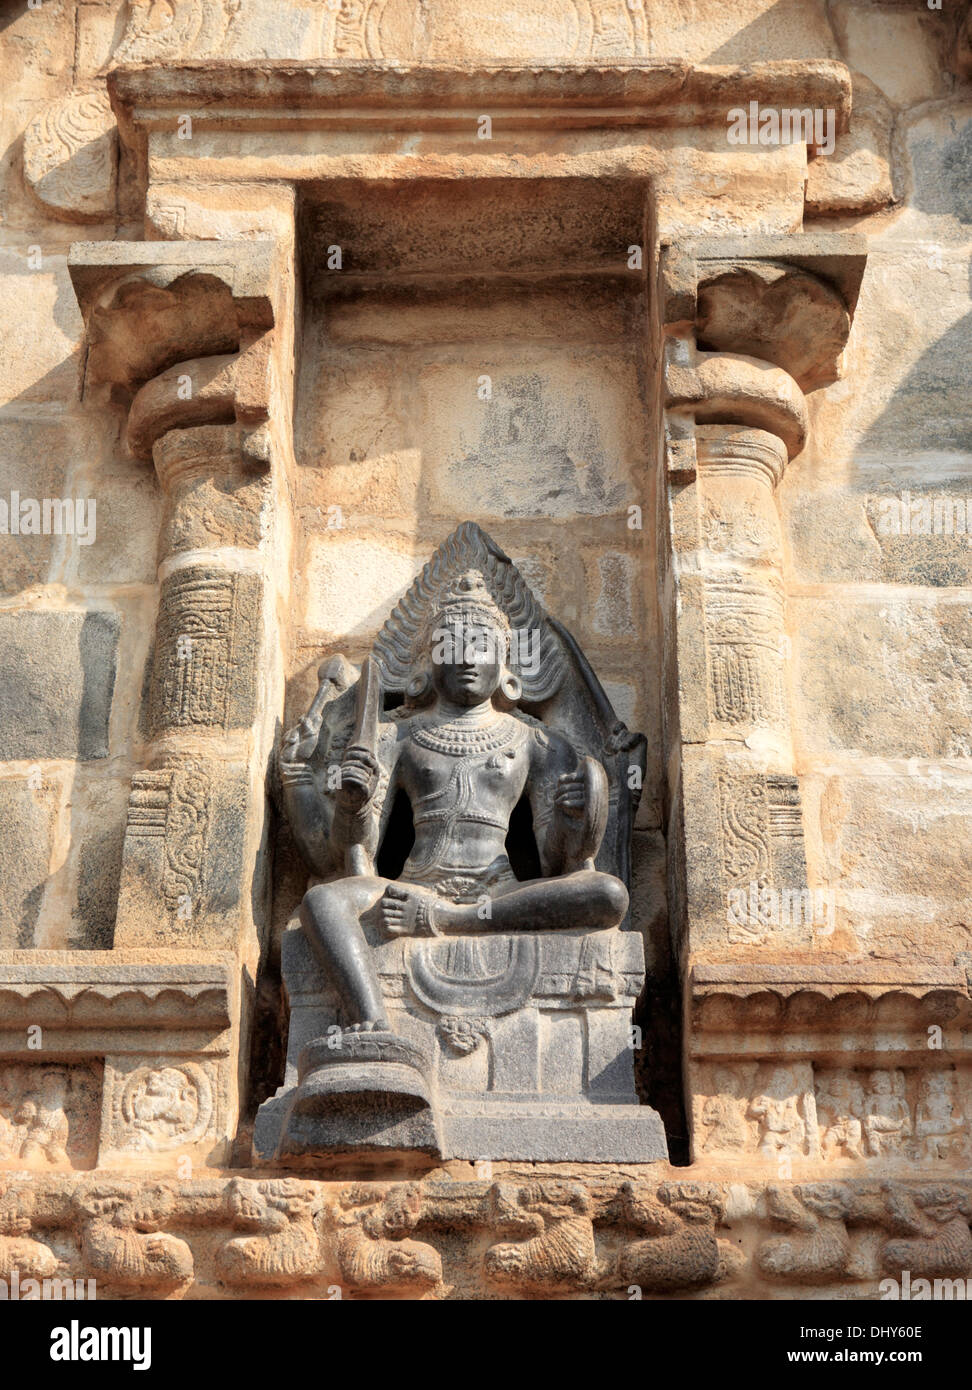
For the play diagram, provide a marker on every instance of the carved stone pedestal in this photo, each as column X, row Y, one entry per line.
column 526, row 1042
column 358, row 1091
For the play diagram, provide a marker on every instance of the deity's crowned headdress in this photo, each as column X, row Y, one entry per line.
column 467, row 603
column 469, row 579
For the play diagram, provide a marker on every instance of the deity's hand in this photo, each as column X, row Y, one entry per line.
column 571, row 796
column 300, row 741
column 359, row 778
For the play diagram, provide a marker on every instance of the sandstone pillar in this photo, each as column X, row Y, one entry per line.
column 741, row 797
column 196, row 395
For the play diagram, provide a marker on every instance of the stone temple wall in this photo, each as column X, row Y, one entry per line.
column 288, row 292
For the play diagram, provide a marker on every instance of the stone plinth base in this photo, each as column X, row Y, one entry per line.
column 548, row 1133
column 343, row 1119
column 511, row 1047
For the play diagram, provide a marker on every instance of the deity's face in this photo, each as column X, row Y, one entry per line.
column 467, row 662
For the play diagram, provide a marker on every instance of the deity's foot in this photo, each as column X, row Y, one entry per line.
column 369, row 1025
column 414, row 912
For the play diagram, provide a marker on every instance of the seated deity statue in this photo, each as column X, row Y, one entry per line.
column 464, row 755
column 461, row 972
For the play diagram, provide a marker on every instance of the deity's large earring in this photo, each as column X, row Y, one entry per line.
column 419, row 687
column 510, row 688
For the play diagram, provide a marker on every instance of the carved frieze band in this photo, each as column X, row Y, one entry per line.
column 513, row 1237
column 71, row 1116
column 914, row 1115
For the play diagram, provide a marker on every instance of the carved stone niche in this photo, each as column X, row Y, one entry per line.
column 476, row 1001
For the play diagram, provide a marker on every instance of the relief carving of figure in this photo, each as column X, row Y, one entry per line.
column 930, row 1226
column 682, row 1250
column 278, row 1242
column 840, row 1099
column 375, row 1250
column 815, row 1247
column 724, row 1127
column 777, row 1109
column 558, row 1252
column 34, row 1124
column 18, row 1249
column 886, row 1116
column 121, row 1242
column 939, row 1122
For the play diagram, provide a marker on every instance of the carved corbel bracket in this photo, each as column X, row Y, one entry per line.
column 732, row 389
column 759, row 321
column 835, row 260
column 201, row 391
column 776, row 313
column 150, row 305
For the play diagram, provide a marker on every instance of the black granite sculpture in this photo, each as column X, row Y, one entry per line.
column 459, row 1007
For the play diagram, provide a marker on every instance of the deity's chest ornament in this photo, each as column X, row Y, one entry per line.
column 463, row 738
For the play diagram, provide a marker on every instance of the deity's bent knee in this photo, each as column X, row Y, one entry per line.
column 611, row 897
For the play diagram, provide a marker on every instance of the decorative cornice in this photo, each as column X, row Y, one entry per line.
column 826, row 998
column 650, row 92
column 839, row 973
column 91, row 992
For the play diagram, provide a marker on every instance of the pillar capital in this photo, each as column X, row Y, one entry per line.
column 731, row 450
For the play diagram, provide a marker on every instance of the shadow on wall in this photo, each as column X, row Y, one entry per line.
column 64, row 810
column 935, row 393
